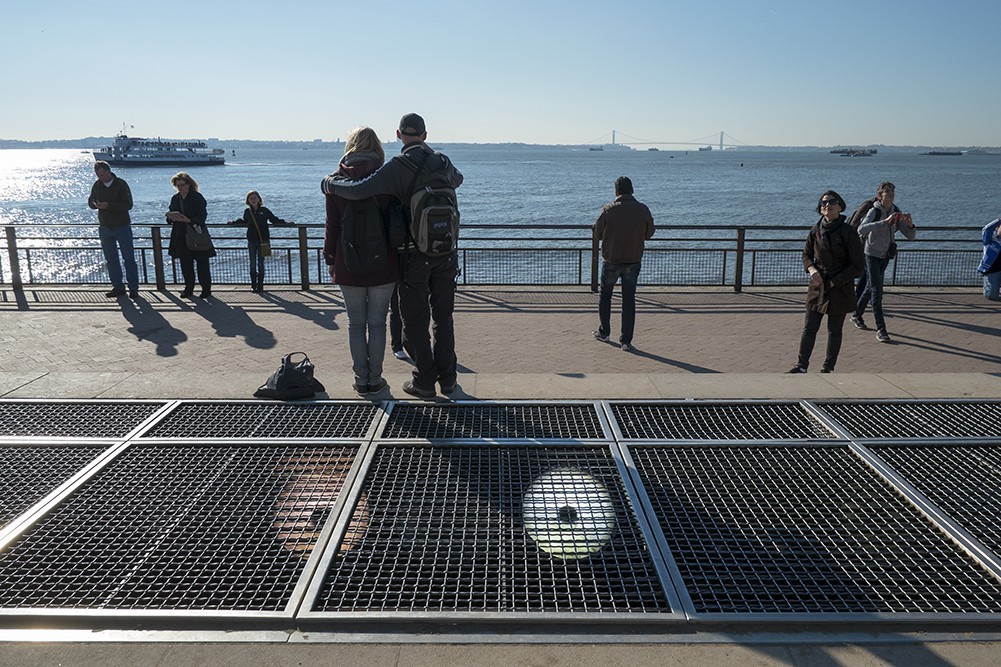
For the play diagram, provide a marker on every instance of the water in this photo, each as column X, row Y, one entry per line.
column 524, row 185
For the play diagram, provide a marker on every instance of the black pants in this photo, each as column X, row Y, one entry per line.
column 188, row 263
column 427, row 293
column 811, row 326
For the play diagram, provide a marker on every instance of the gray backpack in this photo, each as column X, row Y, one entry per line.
column 434, row 212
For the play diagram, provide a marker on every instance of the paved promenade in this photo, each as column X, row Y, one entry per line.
column 528, row 343
column 513, row 343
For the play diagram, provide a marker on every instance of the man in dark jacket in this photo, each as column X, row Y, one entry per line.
column 112, row 198
column 427, row 284
column 622, row 228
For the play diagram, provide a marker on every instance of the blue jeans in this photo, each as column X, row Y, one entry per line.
column 113, row 239
column 992, row 286
column 610, row 273
column 367, row 308
column 256, row 264
column 870, row 287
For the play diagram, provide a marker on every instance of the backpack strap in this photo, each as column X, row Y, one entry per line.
column 406, row 202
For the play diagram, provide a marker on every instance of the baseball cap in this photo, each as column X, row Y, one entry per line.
column 412, row 125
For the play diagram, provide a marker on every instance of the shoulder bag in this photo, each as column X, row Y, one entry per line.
column 196, row 236
column 265, row 246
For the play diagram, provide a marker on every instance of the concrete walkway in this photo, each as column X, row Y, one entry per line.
column 511, row 343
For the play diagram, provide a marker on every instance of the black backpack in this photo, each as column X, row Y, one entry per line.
column 859, row 215
column 363, row 237
column 433, row 213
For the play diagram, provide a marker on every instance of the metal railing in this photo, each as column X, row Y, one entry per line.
column 515, row 254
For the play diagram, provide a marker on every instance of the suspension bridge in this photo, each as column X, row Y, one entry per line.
column 614, row 138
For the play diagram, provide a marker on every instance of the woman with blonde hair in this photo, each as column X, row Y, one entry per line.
column 188, row 208
column 366, row 295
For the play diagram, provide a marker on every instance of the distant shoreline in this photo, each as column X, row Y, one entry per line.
column 90, row 143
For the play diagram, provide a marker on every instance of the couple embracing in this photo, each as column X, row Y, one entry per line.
column 424, row 260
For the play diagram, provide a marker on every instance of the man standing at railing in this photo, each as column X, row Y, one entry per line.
column 113, row 200
column 622, row 228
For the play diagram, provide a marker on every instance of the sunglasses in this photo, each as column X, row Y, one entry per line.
column 829, row 202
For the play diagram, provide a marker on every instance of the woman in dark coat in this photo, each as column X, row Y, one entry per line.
column 256, row 218
column 188, row 207
column 833, row 258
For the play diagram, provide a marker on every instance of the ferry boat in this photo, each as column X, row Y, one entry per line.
column 136, row 151
column 705, row 149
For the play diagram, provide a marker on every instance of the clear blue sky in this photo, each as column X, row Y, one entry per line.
column 774, row 72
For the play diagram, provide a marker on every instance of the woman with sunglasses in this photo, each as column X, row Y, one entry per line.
column 188, row 207
column 833, row 258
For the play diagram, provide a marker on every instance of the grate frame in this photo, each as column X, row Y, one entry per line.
column 346, row 529
column 363, row 417
column 802, row 425
column 295, row 586
column 462, row 425
column 917, row 420
column 27, row 485
column 946, row 491
column 701, row 615
column 58, row 420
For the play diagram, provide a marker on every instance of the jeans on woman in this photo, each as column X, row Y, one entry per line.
column 871, row 287
column 367, row 308
column 992, row 286
column 256, row 265
column 835, row 323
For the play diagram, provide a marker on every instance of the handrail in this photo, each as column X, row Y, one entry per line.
column 737, row 255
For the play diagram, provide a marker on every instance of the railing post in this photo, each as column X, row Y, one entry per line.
column 594, row 261
column 15, row 266
column 738, row 269
column 303, row 259
column 161, row 280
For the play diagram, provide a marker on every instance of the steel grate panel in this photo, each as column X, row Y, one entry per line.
column 477, row 529
column 798, row 529
column 748, row 421
column 962, row 480
column 28, row 474
column 918, row 419
column 180, row 528
column 267, row 420
column 72, row 419
column 493, row 421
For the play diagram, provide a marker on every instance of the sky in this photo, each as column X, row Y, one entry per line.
column 767, row 72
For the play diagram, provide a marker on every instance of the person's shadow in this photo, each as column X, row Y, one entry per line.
column 319, row 316
column 230, row 322
column 148, row 324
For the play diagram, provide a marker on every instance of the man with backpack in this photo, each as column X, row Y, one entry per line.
column 426, row 234
column 876, row 228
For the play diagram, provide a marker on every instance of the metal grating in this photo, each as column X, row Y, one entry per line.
column 492, row 529
column 180, row 528
column 964, row 481
column 799, row 529
column 72, row 419
column 735, row 421
column 267, row 420
column 28, row 474
column 493, row 421
column 922, row 419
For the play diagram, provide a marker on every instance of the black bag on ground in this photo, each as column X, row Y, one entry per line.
column 292, row 380
column 363, row 237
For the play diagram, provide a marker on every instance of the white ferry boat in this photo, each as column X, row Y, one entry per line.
column 136, row 151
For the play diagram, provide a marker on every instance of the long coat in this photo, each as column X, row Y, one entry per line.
column 836, row 251
column 195, row 208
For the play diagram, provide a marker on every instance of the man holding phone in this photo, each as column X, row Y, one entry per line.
column 112, row 199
